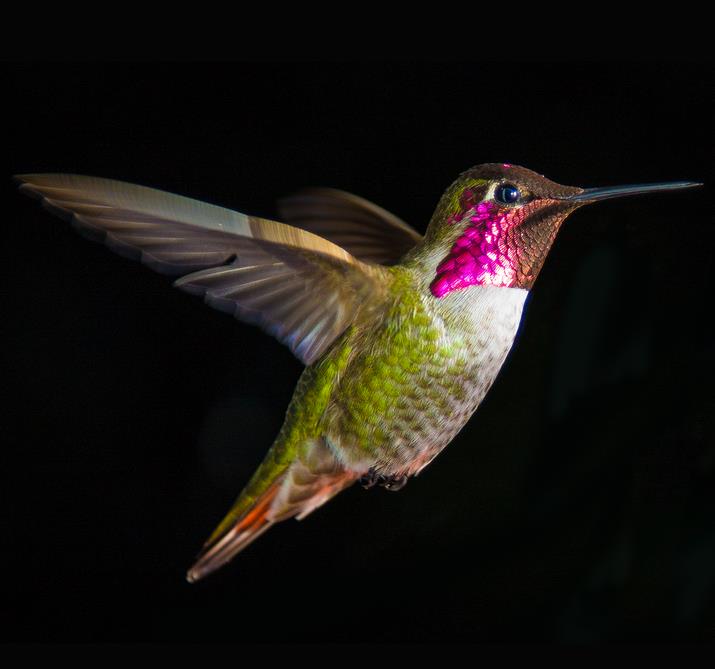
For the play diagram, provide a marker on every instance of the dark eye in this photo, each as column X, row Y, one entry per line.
column 507, row 194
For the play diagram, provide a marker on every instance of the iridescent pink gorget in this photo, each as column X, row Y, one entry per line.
column 481, row 256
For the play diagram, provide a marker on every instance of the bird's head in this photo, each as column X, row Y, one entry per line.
column 495, row 225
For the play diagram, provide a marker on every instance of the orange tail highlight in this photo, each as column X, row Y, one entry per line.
column 249, row 527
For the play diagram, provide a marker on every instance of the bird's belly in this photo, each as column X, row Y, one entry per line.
column 403, row 400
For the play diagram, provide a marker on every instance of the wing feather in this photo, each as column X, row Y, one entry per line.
column 367, row 231
column 299, row 287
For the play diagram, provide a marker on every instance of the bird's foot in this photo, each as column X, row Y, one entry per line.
column 372, row 478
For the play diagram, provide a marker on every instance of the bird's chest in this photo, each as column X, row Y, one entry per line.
column 420, row 375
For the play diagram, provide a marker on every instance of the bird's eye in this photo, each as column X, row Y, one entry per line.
column 507, row 194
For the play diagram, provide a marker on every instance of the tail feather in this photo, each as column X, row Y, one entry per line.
column 221, row 549
column 313, row 478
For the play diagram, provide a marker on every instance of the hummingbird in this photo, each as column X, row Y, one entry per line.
column 402, row 335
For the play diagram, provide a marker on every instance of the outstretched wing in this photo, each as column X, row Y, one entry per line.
column 369, row 232
column 301, row 288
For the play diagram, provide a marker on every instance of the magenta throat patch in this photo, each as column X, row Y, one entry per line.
column 481, row 256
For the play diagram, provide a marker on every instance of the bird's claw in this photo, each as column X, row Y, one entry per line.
column 372, row 478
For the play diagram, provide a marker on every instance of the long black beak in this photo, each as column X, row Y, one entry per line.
column 596, row 194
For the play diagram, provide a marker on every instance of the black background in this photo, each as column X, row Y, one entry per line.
column 577, row 505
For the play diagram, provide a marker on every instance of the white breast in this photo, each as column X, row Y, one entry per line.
column 482, row 309
column 482, row 322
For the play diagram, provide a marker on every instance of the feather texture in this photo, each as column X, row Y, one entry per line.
column 311, row 479
column 367, row 231
column 299, row 287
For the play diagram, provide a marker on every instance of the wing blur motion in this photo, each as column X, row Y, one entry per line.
column 369, row 232
column 299, row 287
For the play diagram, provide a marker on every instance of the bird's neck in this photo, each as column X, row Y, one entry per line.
column 473, row 313
column 485, row 245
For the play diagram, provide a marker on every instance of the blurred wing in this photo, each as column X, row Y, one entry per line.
column 300, row 288
column 369, row 232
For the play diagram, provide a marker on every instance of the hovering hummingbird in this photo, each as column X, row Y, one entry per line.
column 402, row 335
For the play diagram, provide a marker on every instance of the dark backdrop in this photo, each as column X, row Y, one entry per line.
column 579, row 502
